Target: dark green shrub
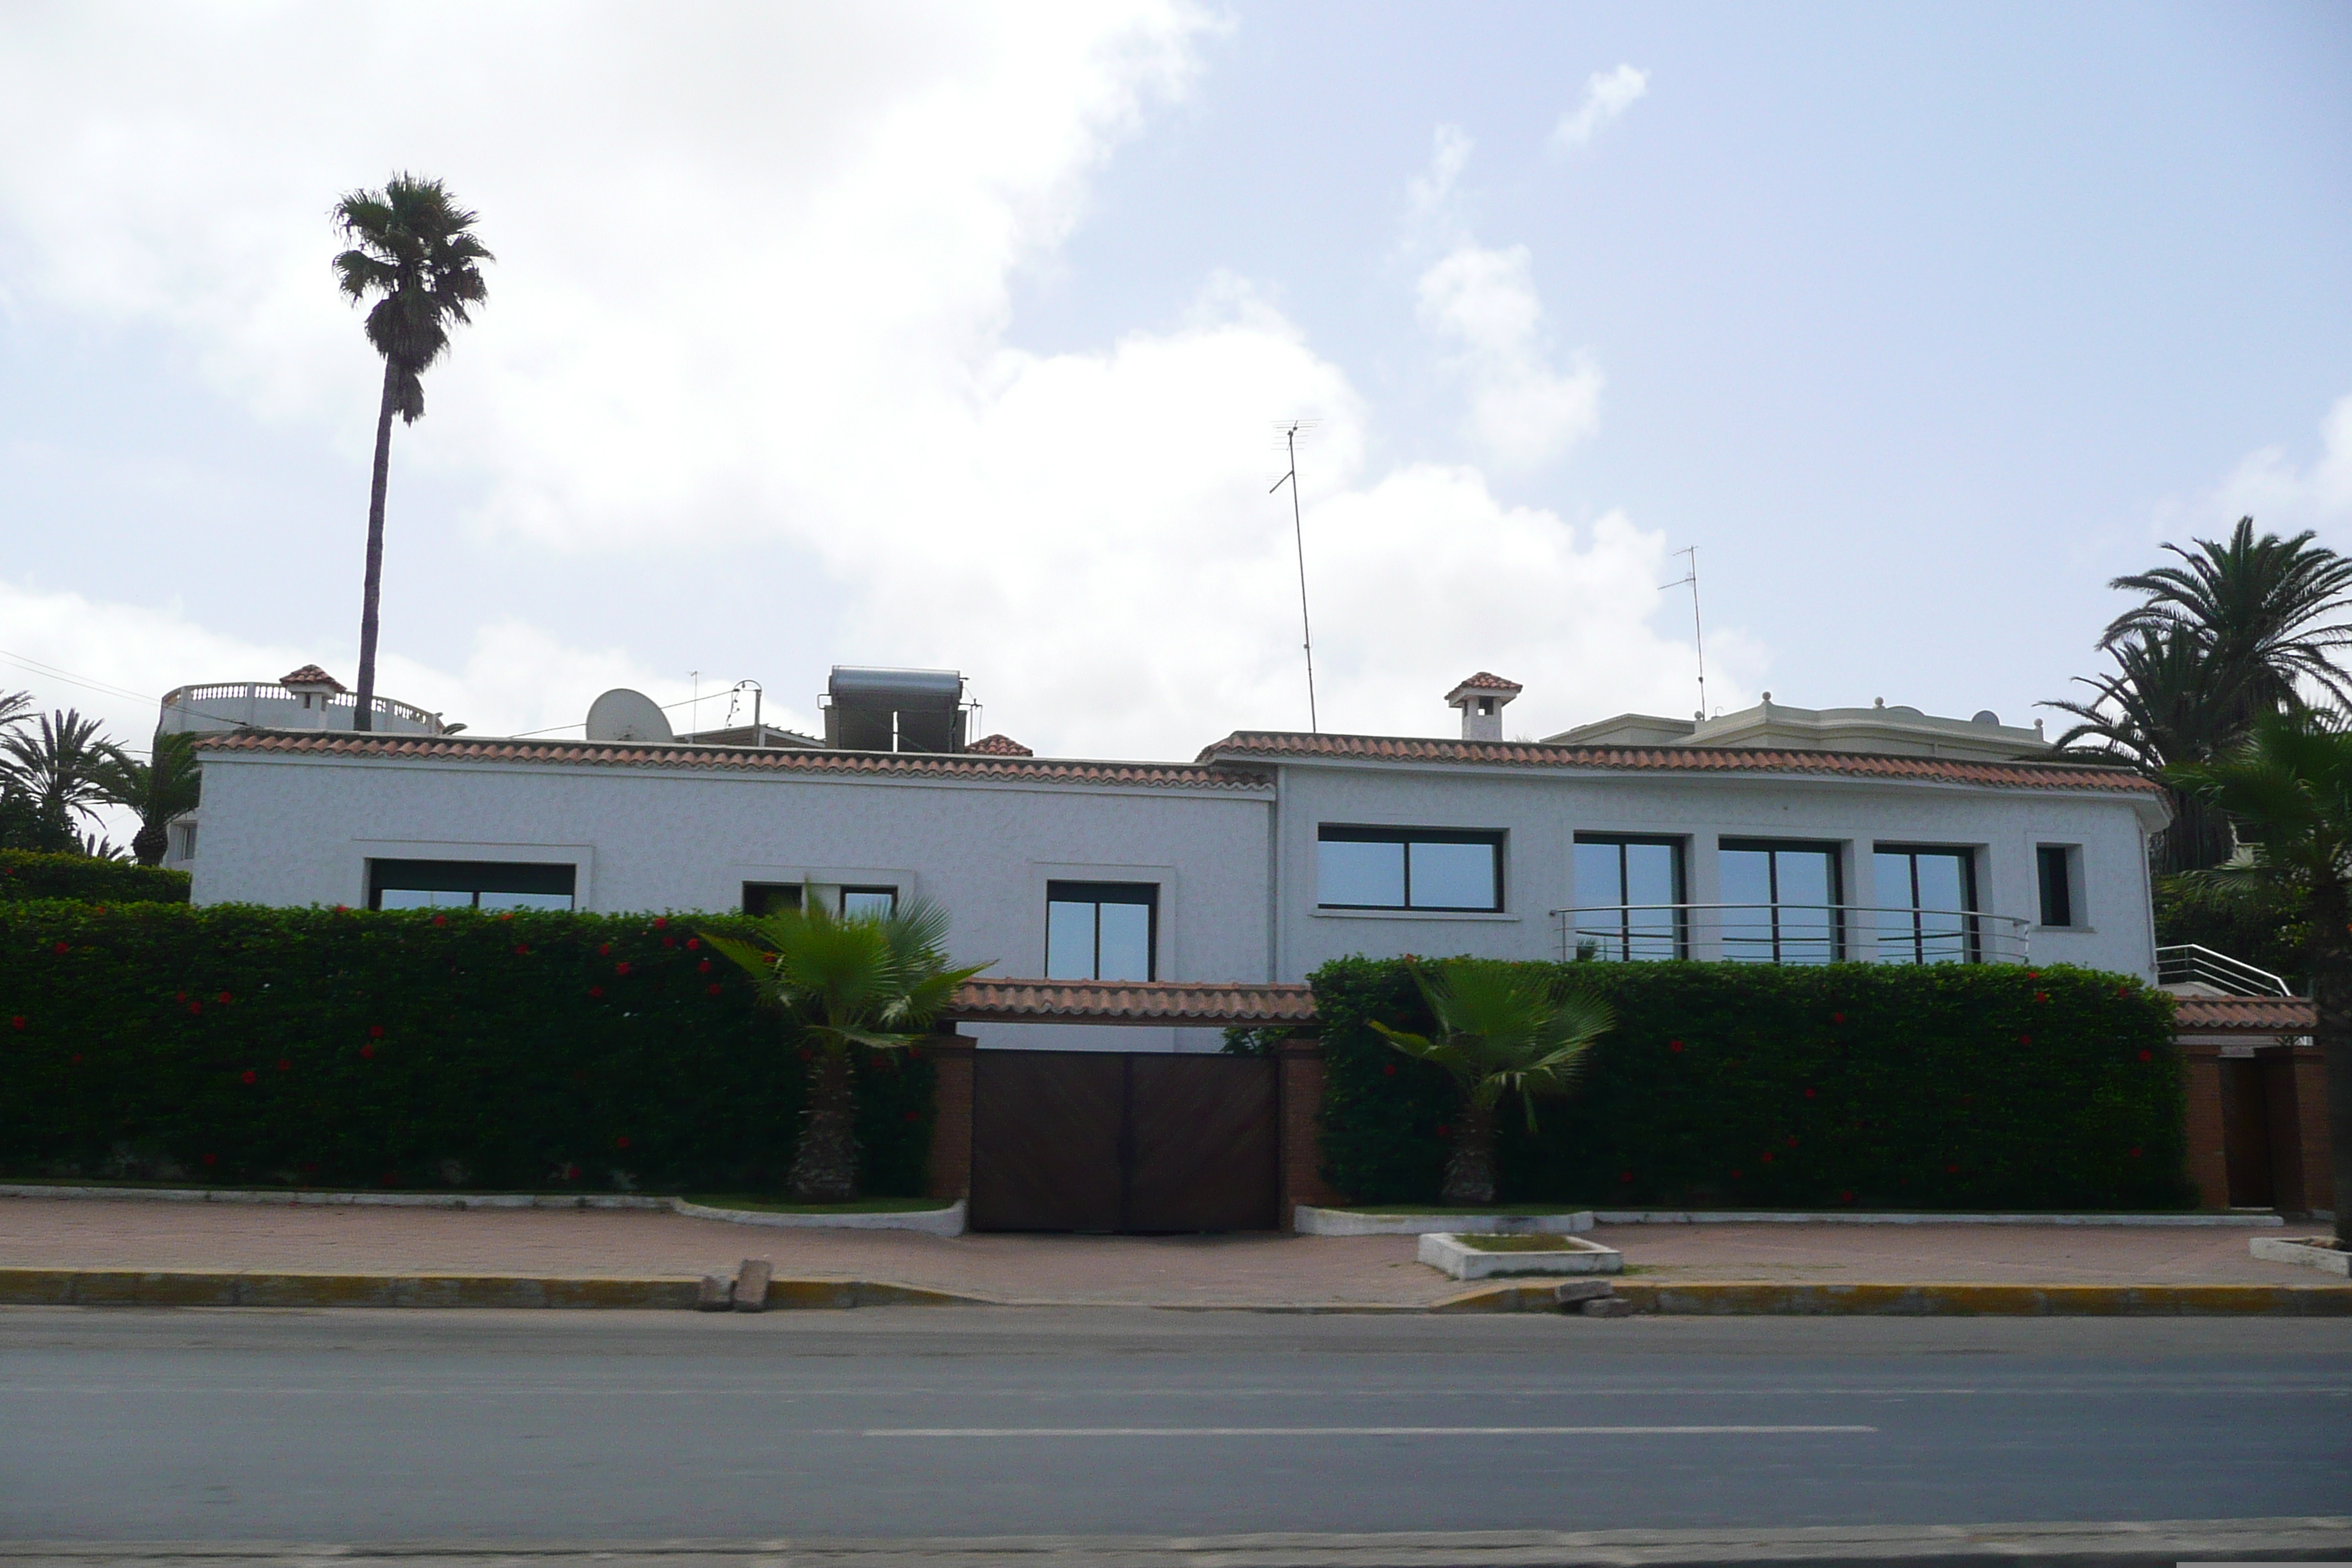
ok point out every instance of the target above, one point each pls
(24, 874)
(319, 1047)
(1948, 1087)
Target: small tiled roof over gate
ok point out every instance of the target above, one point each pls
(2244, 1016)
(1160, 1002)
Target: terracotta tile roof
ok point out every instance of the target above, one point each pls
(1247, 745)
(310, 675)
(732, 759)
(1132, 1002)
(999, 746)
(1487, 681)
(2244, 1016)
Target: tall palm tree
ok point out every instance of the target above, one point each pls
(2269, 611)
(871, 980)
(2168, 703)
(158, 790)
(414, 246)
(2289, 789)
(1499, 1032)
(60, 766)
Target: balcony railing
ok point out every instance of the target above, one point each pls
(1792, 933)
(2187, 964)
(267, 703)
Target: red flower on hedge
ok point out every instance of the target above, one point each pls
(222, 998)
(692, 943)
(375, 1031)
(1845, 1197)
(595, 991)
(2041, 995)
(2034, 975)
(285, 1065)
(1626, 1177)
(2025, 1039)
(1837, 1017)
(1443, 1131)
(1768, 1159)
(212, 1159)
(74, 1060)
(660, 924)
(704, 967)
(61, 948)
(196, 1006)
(914, 1116)
(605, 950)
(508, 916)
(367, 1051)
(1792, 1143)
(621, 1141)
(622, 967)
(440, 919)
(522, 950)
(1389, 1071)
(713, 988)
(17, 1022)
(1673, 1046)
(1809, 1094)
(1951, 1170)
(2134, 1153)
(669, 941)
(249, 1076)
(2148, 1055)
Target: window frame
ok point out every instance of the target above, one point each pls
(1092, 890)
(770, 897)
(2069, 859)
(841, 896)
(1972, 934)
(1773, 847)
(1493, 838)
(1626, 936)
(484, 875)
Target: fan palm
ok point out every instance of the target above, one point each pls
(61, 765)
(870, 980)
(2167, 704)
(158, 790)
(1499, 1032)
(414, 246)
(2289, 791)
(2269, 612)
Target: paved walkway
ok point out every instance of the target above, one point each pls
(1258, 1270)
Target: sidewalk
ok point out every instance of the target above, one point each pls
(1238, 1270)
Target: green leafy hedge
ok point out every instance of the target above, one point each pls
(1754, 1086)
(330, 1048)
(24, 874)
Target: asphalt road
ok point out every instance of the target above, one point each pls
(347, 1425)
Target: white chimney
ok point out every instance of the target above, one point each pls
(1481, 698)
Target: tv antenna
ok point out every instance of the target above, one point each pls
(1699, 639)
(1291, 430)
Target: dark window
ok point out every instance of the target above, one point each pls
(770, 897)
(463, 884)
(882, 902)
(1782, 901)
(2056, 864)
(1927, 900)
(1410, 868)
(1101, 931)
(1642, 879)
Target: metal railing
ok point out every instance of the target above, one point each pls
(1792, 933)
(2186, 963)
(253, 702)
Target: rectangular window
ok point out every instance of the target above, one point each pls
(1783, 902)
(1927, 900)
(468, 884)
(1410, 868)
(1102, 931)
(882, 902)
(770, 897)
(2055, 864)
(1642, 879)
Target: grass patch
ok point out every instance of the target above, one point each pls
(862, 1205)
(1517, 1243)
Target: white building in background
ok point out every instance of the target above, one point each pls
(1774, 834)
(308, 699)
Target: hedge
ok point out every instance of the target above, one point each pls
(24, 874)
(1945, 1087)
(330, 1048)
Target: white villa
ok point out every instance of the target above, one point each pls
(1776, 834)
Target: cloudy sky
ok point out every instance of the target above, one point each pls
(957, 336)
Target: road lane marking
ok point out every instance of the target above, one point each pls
(1351, 1431)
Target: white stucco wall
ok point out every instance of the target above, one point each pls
(1540, 813)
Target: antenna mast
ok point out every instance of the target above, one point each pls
(1290, 432)
(1698, 638)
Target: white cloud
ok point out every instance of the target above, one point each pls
(753, 286)
(1607, 95)
(2281, 498)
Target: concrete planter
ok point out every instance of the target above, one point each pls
(1352, 1222)
(1446, 1251)
(2278, 1249)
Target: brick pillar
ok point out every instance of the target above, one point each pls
(1299, 1081)
(951, 1121)
(2308, 1073)
(2208, 1166)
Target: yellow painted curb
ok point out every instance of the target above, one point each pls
(1963, 1298)
(244, 1288)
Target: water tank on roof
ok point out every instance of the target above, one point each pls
(894, 710)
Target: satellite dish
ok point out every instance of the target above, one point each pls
(622, 714)
(1986, 716)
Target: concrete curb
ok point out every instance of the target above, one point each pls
(1840, 1217)
(2155, 1544)
(1308, 1220)
(2277, 1249)
(947, 1220)
(254, 1287)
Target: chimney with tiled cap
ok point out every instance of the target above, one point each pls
(316, 687)
(1481, 698)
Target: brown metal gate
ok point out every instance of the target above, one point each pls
(1100, 1141)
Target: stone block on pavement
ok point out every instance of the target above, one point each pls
(752, 1285)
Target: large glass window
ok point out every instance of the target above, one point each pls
(882, 902)
(1642, 878)
(1928, 899)
(1410, 868)
(1781, 902)
(468, 884)
(1101, 931)
(770, 897)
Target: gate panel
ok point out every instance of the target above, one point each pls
(1203, 1136)
(1046, 1140)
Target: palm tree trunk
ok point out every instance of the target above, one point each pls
(1470, 1172)
(2331, 995)
(825, 1170)
(148, 843)
(363, 717)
